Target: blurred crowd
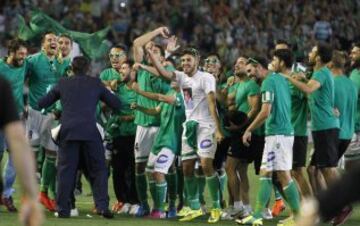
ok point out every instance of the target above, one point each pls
(223, 26)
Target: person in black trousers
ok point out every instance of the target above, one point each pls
(79, 96)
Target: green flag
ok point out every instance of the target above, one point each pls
(92, 45)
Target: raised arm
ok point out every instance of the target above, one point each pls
(308, 88)
(51, 97)
(141, 41)
(153, 96)
(109, 99)
(168, 75)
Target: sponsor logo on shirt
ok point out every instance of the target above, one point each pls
(205, 143)
(162, 159)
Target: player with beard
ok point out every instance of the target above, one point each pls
(202, 130)
(147, 126)
(13, 69)
(277, 157)
(325, 123)
(111, 77)
(352, 155)
(122, 129)
(45, 70)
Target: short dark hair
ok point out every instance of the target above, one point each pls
(80, 65)
(15, 44)
(284, 55)
(283, 42)
(162, 51)
(120, 46)
(338, 59)
(66, 36)
(262, 61)
(46, 33)
(324, 51)
(356, 44)
(191, 51)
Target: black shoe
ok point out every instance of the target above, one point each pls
(107, 214)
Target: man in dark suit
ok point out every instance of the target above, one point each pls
(79, 135)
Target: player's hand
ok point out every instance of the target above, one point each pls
(113, 85)
(136, 66)
(230, 81)
(172, 46)
(163, 31)
(31, 213)
(133, 106)
(149, 46)
(246, 139)
(336, 112)
(300, 76)
(219, 136)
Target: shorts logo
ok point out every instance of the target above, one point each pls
(162, 159)
(271, 156)
(136, 146)
(278, 145)
(205, 143)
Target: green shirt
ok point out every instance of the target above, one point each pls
(321, 101)
(276, 91)
(15, 76)
(110, 74)
(345, 101)
(244, 90)
(126, 96)
(149, 83)
(355, 77)
(171, 119)
(43, 74)
(299, 111)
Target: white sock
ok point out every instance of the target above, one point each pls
(238, 205)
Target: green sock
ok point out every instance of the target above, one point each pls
(171, 179)
(192, 189)
(263, 196)
(214, 185)
(152, 189)
(222, 180)
(201, 182)
(40, 158)
(160, 195)
(277, 193)
(292, 196)
(180, 186)
(141, 187)
(48, 176)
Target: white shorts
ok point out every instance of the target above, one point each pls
(144, 140)
(161, 162)
(38, 129)
(206, 143)
(353, 151)
(278, 153)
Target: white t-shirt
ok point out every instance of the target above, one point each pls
(195, 90)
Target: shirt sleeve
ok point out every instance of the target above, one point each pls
(267, 91)
(318, 77)
(179, 77)
(209, 84)
(253, 89)
(8, 112)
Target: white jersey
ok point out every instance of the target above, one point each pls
(195, 90)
